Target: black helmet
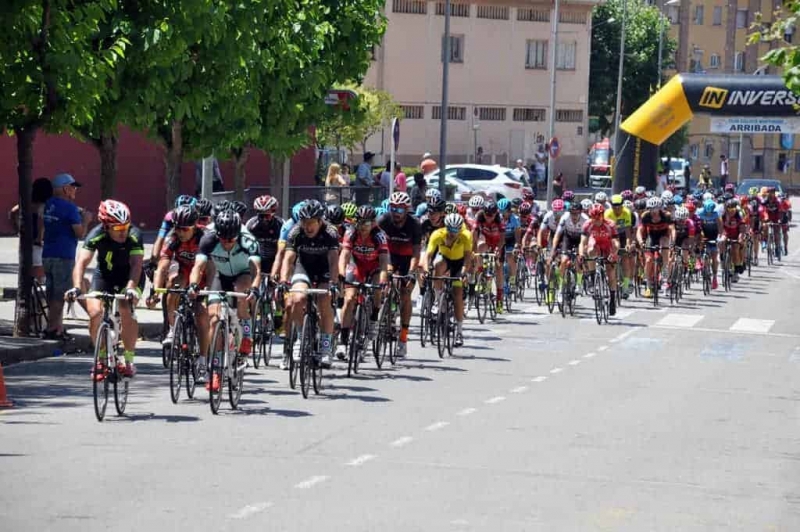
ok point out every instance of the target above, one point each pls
(334, 215)
(312, 209)
(203, 207)
(490, 207)
(640, 204)
(731, 203)
(516, 202)
(185, 216)
(437, 205)
(239, 207)
(227, 224)
(365, 213)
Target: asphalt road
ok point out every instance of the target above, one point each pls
(680, 418)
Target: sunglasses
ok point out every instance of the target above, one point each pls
(119, 227)
(453, 230)
(398, 210)
(184, 229)
(227, 240)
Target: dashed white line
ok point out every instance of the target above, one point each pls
(313, 481)
(574, 362)
(556, 370)
(519, 389)
(495, 400)
(364, 458)
(250, 509)
(590, 355)
(619, 338)
(467, 411)
(399, 442)
(604, 347)
(436, 426)
(540, 378)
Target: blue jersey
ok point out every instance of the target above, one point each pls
(285, 228)
(512, 224)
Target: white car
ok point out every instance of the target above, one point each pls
(462, 190)
(497, 181)
(675, 171)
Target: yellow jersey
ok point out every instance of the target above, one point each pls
(455, 251)
(623, 221)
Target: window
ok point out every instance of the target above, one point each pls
(569, 115)
(708, 150)
(453, 113)
(456, 10)
(741, 18)
(713, 61)
(699, 11)
(693, 152)
(672, 13)
(717, 16)
(536, 54)
(572, 17)
(758, 163)
(696, 62)
(738, 62)
(497, 114)
(475, 174)
(530, 14)
(414, 7)
(493, 12)
(413, 112)
(528, 114)
(733, 150)
(456, 48)
(565, 55)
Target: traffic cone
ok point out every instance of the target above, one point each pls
(4, 401)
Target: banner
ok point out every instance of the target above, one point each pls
(741, 124)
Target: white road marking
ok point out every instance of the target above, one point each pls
(364, 458)
(495, 400)
(710, 330)
(618, 338)
(519, 389)
(467, 411)
(590, 355)
(399, 442)
(251, 509)
(313, 481)
(574, 362)
(436, 426)
(556, 370)
(540, 378)
(789, 274)
(623, 313)
(604, 347)
(752, 325)
(680, 320)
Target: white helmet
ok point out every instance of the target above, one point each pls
(476, 202)
(667, 195)
(400, 198)
(628, 204)
(586, 204)
(708, 196)
(654, 203)
(433, 193)
(600, 197)
(639, 190)
(453, 221)
(681, 214)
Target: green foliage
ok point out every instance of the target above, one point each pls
(640, 73)
(673, 146)
(784, 56)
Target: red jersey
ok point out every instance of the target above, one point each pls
(731, 224)
(366, 251)
(493, 231)
(771, 210)
(602, 233)
(182, 252)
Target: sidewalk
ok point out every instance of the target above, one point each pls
(14, 350)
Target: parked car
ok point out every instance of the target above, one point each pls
(598, 164)
(497, 181)
(675, 171)
(460, 190)
(746, 184)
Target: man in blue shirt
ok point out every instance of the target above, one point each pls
(64, 224)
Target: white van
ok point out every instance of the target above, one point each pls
(675, 171)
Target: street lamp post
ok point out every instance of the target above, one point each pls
(551, 129)
(620, 67)
(445, 87)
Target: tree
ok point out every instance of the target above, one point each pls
(785, 56)
(673, 146)
(640, 73)
(55, 71)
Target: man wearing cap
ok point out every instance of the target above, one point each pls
(64, 224)
(364, 179)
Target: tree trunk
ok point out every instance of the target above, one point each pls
(276, 164)
(24, 171)
(240, 177)
(174, 161)
(107, 146)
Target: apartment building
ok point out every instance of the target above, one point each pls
(499, 88)
(713, 38)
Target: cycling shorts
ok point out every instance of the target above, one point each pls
(310, 276)
(225, 283)
(401, 264)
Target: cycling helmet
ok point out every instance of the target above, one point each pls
(568, 195)
(586, 204)
(461, 209)
(628, 204)
(667, 197)
(349, 209)
(730, 187)
(639, 191)
(385, 204)
(526, 208)
(422, 209)
(400, 199)
(185, 199)
(203, 207)
(528, 195)
(239, 207)
(575, 206)
(616, 200)
(654, 203)
(265, 204)
(753, 191)
(558, 205)
(334, 215)
(312, 209)
(113, 212)
(450, 208)
(380, 211)
(596, 212)
(681, 214)
(184, 216)
(432, 193)
(296, 210)
(516, 202)
(640, 204)
(677, 200)
(504, 205)
(691, 207)
(709, 206)
(727, 196)
(476, 202)
(437, 205)
(223, 205)
(366, 213)
(227, 224)
(731, 204)
(490, 207)
(708, 196)
(627, 195)
(454, 222)
(650, 194)
(600, 197)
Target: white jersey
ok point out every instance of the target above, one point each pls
(550, 221)
(570, 228)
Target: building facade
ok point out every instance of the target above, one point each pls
(499, 86)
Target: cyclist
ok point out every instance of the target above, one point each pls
(476, 203)
(334, 215)
(711, 228)
(452, 248)
(734, 230)
(119, 271)
(568, 238)
(364, 258)
(622, 218)
(513, 236)
(204, 210)
(311, 260)
(265, 227)
(166, 225)
(600, 239)
(488, 234)
(234, 257)
(685, 231)
(656, 229)
(548, 226)
(404, 234)
(786, 217)
(771, 213)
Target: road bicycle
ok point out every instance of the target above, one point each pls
(264, 324)
(445, 320)
(726, 258)
(707, 270)
(386, 340)
(523, 276)
(359, 334)
(185, 348)
(426, 321)
(39, 307)
(484, 300)
(569, 286)
(309, 366)
(658, 266)
(676, 277)
(601, 294)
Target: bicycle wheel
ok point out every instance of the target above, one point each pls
(605, 294)
(657, 280)
(176, 361)
(538, 283)
(770, 248)
(573, 292)
(424, 316)
(598, 299)
(480, 301)
(490, 301)
(441, 325)
(190, 359)
(236, 380)
(383, 339)
(749, 255)
(40, 307)
(100, 382)
(451, 324)
(258, 332)
(551, 290)
(355, 342)
(316, 378)
(306, 354)
(268, 333)
(706, 276)
(121, 386)
(522, 281)
(165, 351)
(289, 348)
(216, 350)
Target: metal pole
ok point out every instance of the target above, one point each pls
(739, 162)
(618, 110)
(445, 87)
(660, 44)
(551, 128)
(207, 185)
(391, 161)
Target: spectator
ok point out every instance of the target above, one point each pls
(662, 181)
(385, 178)
(347, 175)
(558, 185)
(687, 175)
(217, 184)
(399, 178)
(64, 224)
(522, 173)
(428, 166)
(364, 179)
(418, 192)
(41, 191)
(335, 185)
(704, 181)
(723, 171)
(539, 163)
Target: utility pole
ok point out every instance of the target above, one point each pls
(551, 129)
(445, 87)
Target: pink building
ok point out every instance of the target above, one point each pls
(499, 79)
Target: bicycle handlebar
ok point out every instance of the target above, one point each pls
(221, 293)
(310, 291)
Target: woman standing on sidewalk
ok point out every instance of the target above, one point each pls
(335, 186)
